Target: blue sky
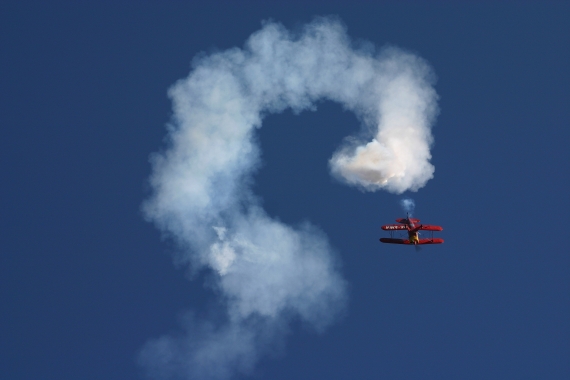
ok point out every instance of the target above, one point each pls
(86, 282)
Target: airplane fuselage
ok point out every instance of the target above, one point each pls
(412, 232)
(413, 237)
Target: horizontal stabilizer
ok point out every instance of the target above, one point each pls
(406, 221)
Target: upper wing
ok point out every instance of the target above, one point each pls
(390, 227)
(427, 227)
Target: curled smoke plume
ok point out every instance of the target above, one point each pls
(265, 272)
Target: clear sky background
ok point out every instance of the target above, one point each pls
(85, 281)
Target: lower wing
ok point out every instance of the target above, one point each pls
(431, 241)
(407, 242)
(394, 241)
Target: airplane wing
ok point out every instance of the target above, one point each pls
(392, 227)
(427, 227)
(431, 241)
(407, 242)
(394, 241)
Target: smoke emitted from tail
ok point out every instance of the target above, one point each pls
(408, 205)
(265, 272)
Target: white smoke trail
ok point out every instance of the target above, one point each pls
(264, 271)
(408, 205)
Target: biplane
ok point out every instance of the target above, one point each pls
(413, 227)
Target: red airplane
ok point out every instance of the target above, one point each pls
(409, 224)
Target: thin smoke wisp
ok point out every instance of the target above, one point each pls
(408, 205)
(264, 272)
